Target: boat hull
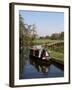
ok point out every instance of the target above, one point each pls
(40, 60)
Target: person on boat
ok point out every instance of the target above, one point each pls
(46, 49)
(43, 54)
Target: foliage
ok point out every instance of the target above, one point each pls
(25, 34)
(25, 41)
(54, 36)
(57, 55)
(44, 41)
(58, 49)
(58, 36)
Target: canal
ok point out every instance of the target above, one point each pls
(33, 68)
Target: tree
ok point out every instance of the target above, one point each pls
(62, 35)
(47, 37)
(57, 36)
(33, 32)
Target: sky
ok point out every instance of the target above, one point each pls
(46, 22)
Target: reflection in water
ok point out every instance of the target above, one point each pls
(35, 68)
(39, 65)
(23, 59)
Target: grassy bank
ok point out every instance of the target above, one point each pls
(57, 55)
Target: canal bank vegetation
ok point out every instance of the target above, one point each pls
(57, 52)
(39, 41)
(57, 55)
(27, 34)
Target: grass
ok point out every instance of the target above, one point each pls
(57, 55)
(59, 49)
(44, 41)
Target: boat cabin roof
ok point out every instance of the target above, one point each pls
(38, 47)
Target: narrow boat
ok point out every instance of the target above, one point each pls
(40, 54)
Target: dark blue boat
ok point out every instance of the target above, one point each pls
(40, 55)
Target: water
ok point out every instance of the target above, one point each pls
(35, 69)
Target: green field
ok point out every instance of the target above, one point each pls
(44, 41)
(57, 55)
